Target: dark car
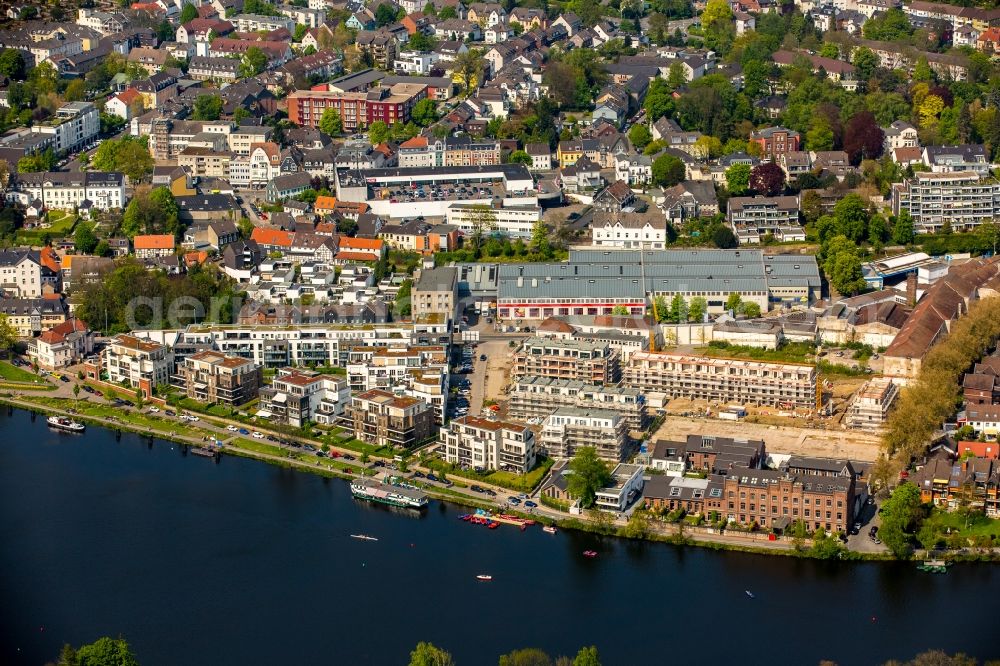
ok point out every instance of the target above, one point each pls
(348, 456)
(418, 475)
(491, 493)
(476, 489)
(379, 463)
(64, 379)
(482, 357)
(530, 504)
(431, 477)
(244, 431)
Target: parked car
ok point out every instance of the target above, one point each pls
(154, 409)
(431, 477)
(513, 501)
(243, 431)
(258, 435)
(530, 504)
(232, 428)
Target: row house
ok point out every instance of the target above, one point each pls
(972, 482)
(30, 317)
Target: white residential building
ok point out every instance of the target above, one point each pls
(568, 429)
(297, 396)
(74, 125)
(256, 22)
(631, 231)
(415, 63)
(625, 487)
(485, 444)
(515, 221)
(65, 190)
(141, 364)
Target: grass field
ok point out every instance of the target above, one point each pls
(62, 224)
(12, 373)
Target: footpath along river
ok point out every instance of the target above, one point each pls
(242, 562)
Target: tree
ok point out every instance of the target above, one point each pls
(820, 134)
(738, 178)
(447, 12)
(637, 526)
(403, 304)
(900, 515)
(676, 76)
(659, 100)
(106, 652)
(863, 138)
(76, 90)
(330, 123)
(421, 42)
(843, 266)
(424, 112)
(767, 178)
(188, 13)
(588, 656)
(640, 136)
(42, 161)
(865, 62)
(526, 657)
(724, 238)
(697, 308)
(427, 654)
(84, 239)
(733, 302)
(253, 62)
(678, 311)
(468, 69)
(378, 133)
(751, 309)
(851, 215)
(384, 15)
(668, 170)
(520, 157)
(12, 64)
(590, 474)
(8, 334)
(128, 155)
(620, 311)
(207, 107)
(151, 212)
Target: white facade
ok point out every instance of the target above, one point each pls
(133, 361)
(616, 234)
(75, 124)
(480, 443)
(415, 62)
(515, 221)
(624, 489)
(67, 190)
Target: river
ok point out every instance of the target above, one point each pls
(242, 562)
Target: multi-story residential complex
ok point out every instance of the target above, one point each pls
(755, 217)
(421, 151)
(568, 429)
(771, 498)
(257, 23)
(74, 125)
(956, 159)
(537, 397)
(513, 221)
(435, 291)
(725, 380)
(593, 282)
(209, 376)
(708, 454)
(297, 341)
(22, 273)
(776, 141)
(964, 199)
(138, 363)
(870, 407)
(105, 190)
(298, 396)
(419, 371)
(203, 68)
(357, 109)
(383, 419)
(591, 362)
(473, 442)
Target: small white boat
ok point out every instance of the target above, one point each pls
(749, 593)
(484, 577)
(364, 537)
(63, 423)
(548, 529)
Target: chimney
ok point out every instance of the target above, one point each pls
(911, 288)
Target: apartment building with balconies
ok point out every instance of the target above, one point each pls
(477, 443)
(962, 199)
(212, 377)
(568, 429)
(534, 398)
(383, 419)
(298, 396)
(724, 380)
(591, 362)
(870, 407)
(141, 364)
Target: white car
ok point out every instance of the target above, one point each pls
(154, 409)
(232, 428)
(258, 435)
(192, 418)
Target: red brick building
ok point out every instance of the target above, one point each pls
(357, 109)
(776, 141)
(767, 496)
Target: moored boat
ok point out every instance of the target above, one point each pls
(549, 529)
(364, 537)
(590, 553)
(484, 577)
(202, 451)
(382, 493)
(63, 423)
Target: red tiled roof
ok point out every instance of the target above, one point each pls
(275, 237)
(153, 242)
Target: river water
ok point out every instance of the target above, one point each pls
(245, 563)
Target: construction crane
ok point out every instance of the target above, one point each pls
(656, 314)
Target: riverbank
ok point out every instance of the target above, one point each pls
(259, 450)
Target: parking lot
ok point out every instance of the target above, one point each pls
(441, 192)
